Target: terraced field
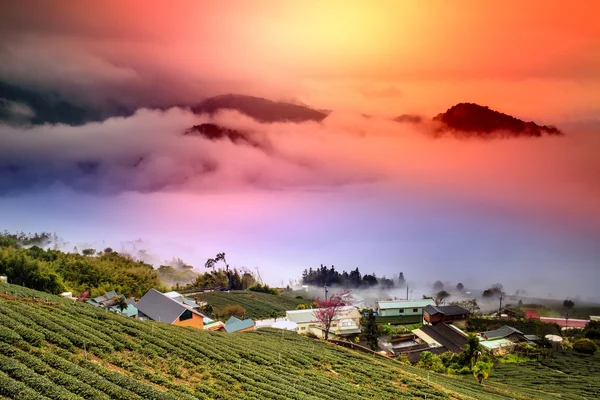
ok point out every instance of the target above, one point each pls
(51, 348)
(258, 305)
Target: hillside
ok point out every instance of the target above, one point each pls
(24, 261)
(469, 119)
(52, 348)
(260, 109)
(258, 305)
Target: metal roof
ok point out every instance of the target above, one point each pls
(384, 305)
(446, 310)
(501, 332)
(159, 307)
(234, 324)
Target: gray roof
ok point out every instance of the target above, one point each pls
(501, 332)
(446, 310)
(234, 324)
(159, 307)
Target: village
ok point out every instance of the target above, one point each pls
(406, 328)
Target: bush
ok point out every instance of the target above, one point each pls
(593, 334)
(431, 362)
(234, 310)
(585, 346)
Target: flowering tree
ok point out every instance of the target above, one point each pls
(328, 309)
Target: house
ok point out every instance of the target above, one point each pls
(234, 324)
(401, 311)
(104, 301)
(178, 297)
(131, 311)
(446, 314)
(566, 323)
(531, 314)
(67, 295)
(442, 335)
(346, 322)
(156, 306)
(4, 278)
(503, 337)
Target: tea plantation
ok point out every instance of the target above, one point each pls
(51, 348)
(258, 305)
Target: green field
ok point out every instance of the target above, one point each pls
(573, 376)
(258, 305)
(51, 348)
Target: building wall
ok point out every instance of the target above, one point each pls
(393, 312)
(195, 322)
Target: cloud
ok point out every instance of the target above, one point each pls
(148, 152)
(14, 111)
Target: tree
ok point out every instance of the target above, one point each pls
(401, 280)
(568, 304)
(211, 262)
(441, 296)
(481, 371)
(470, 305)
(520, 303)
(438, 285)
(328, 309)
(471, 350)
(372, 330)
(460, 287)
(585, 346)
(432, 362)
(274, 315)
(88, 252)
(495, 290)
(120, 303)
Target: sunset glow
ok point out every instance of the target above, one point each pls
(355, 189)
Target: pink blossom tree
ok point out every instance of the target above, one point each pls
(328, 309)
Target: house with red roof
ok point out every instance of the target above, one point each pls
(531, 314)
(566, 323)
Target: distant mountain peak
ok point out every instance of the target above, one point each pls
(260, 109)
(470, 119)
(216, 132)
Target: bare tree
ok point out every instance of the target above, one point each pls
(327, 310)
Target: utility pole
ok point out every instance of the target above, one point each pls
(406, 292)
(326, 291)
(500, 307)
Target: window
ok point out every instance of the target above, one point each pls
(187, 314)
(415, 310)
(401, 310)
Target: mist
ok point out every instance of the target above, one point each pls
(350, 191)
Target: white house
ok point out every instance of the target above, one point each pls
(346, 322)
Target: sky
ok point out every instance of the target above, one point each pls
(349, 191)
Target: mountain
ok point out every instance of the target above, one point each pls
(260, 109)
(408, 119)
(216, 132)
(469, 119)
(20, 105)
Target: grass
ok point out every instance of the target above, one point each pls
(258, 305)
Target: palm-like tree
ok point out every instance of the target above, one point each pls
(211, 262)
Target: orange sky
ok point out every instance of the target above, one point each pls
(537, 59)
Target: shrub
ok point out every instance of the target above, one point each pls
(234, 310)
(585, 346)
(431, 362)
